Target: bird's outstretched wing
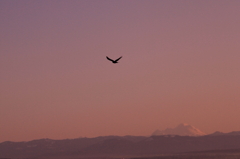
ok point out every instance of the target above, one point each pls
(109, 59)
(118, 59)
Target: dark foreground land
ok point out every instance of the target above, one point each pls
(217, 154)
(165, 156)
(223, 146)
(212, 154)
(194, 156)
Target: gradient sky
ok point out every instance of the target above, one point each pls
(181, 64)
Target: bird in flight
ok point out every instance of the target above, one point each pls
(114, 61)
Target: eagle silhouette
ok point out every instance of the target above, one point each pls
(114, 61)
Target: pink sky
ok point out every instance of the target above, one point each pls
(181, 64)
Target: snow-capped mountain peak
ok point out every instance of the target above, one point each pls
(182, 130)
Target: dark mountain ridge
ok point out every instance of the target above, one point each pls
(119, 146)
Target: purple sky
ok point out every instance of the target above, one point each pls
(181, 64)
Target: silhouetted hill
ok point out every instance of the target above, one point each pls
(221, 133)
(119, 146)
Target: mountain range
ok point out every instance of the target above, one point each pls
(119, 146)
